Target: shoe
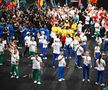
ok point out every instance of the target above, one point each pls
(65, 57)
(102, 84)
(80, 67)
(12, 76)
(45, 58)
(63, 79)
(53, 66)
(83, 80)
(35, 81)
(96, 83)
(88, 80)
(95, 68)
(1, 64)
(70, 57)
(60, 80)
(17, 77)
(38, 83)
(41, 54)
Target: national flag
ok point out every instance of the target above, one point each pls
(40, 3)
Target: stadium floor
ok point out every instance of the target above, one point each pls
(73, 75)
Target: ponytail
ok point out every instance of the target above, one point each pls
(100, 56)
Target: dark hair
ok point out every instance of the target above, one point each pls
(100, 56)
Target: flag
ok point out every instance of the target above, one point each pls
(0, 1)
(40, 3)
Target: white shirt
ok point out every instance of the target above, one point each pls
(83, 39)
(1, 47)
(99, 40)
(97, 49)
(33, 46)
(100, 67)
(87, 19)
(72, 44)
(27, 40)
(56, 48)
(75, 42)
(45, 43)
(86, 60)
(41, 38)
(80, 27)
(53, 35)
(68, 40)
(62, 62)
(97, 27)
(14, 57)
(36, 62)
(79, 50)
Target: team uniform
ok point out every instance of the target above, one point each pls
(27, 42)
(96, 54)
(97, 29)
(44, 48)
(86, 67)
(84, 42)
(79, 51)
(105, 47)
(32, 47)
(36, 68)
(68, 51)
(41, 39)
(61, 65)
(1, 52)
(100, 71)
(56, 51)
(14, 63)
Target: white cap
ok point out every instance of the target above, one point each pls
(28, 33)
(42, 32)
(14, 16)
(80, 21)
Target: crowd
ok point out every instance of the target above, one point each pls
(64, 29)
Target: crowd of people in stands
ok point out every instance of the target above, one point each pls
(64, 29)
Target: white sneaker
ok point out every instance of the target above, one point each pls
(38, 83)
(35, 81)
(70, 57)
(53, 66)
(80, 67)
(63, 79)
(12, 76)
(60, 80)
(65, 57)
(41, 54)
(83, 80)
(1, 64)
(88, 80)
(96, 83)
(17, 77)
(95, 68)
(45, 58)
(102, 84)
